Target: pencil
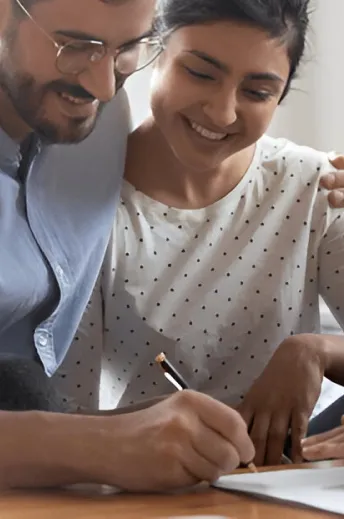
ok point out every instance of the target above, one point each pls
(176, 379)
(170, 372)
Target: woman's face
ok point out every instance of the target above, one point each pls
(215, 90)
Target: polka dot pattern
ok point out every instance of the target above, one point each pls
(219, 288)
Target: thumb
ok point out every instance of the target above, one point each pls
(246, 413)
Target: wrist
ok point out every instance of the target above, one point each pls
(313, 346)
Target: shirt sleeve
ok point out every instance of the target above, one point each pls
(331, 267)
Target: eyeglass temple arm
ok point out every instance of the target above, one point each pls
(36, 24)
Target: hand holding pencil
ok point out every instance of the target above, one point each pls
(242, 455)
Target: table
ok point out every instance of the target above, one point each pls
(102, 503)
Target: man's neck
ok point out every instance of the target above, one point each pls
(10, 121)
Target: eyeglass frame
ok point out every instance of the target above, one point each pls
(153, 39)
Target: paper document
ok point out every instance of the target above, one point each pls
(317, 488)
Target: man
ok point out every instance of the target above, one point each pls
(60, 62)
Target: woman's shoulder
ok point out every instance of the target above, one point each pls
(285, 157)
(292, 172)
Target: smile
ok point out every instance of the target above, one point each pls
(75, 100)
(207, 134)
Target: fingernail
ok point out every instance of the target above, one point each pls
(305, 450)
(338, 196)
(329, 179)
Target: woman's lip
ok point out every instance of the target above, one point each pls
(206, 127)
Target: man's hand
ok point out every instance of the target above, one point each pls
(283, 398)
(335, 183)
(329, 445)
(186, 438)
(180, 441)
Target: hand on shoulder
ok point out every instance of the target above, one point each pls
(334, 182)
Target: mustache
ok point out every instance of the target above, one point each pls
(72, 90)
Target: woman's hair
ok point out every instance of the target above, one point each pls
(284, 19)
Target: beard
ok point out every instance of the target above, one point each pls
(27, 101)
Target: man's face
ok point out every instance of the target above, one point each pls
(34, 94)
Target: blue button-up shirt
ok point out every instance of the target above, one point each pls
(54, 229)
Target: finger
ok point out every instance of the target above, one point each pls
(229, 424)
(214, 448)
(259, 434)
(336, 198)
(333, 180)
(246, 414)
(323, 437)
(278, 432)
(299, 426)
(324, 451)
(200, 468)
(337, 161)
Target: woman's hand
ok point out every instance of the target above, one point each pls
(324, 446)
(283, 397)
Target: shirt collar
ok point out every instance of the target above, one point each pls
(9, 154)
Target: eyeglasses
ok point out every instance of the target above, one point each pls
(75, 56)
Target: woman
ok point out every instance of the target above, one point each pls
(224, 239)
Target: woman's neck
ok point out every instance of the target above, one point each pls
(153, 169)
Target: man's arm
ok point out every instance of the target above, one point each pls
(185, 439)
(144, 404)
(39, 449)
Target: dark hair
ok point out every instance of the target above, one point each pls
(284, 19)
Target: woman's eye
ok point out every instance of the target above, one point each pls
(259, 95)
(199, 75)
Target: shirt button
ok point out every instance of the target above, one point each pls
(59, 271)
(61, 276)
(42, 340)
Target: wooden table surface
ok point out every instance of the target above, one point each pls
(102, 503)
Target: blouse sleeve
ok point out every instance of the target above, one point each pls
(331, 267)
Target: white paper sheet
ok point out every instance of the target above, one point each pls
(316, 488)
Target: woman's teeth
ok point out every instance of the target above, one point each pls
(213, 136)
